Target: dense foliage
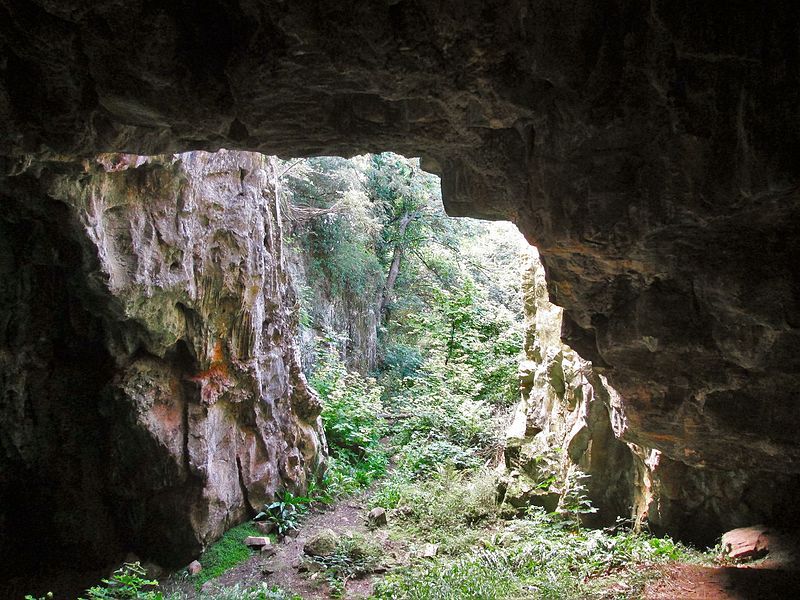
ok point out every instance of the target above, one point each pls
(448, 294)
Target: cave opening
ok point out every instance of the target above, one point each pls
(182, 332)
(55, 369)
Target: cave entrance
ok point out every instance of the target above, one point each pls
(411, 321)
(164, 404)
(54, 511)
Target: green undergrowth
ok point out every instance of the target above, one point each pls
(354, 556)
(354, 425)
(239, 592)
(225, 553)
(484, 554)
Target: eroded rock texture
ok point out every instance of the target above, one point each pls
(562, 427)
(570, 421)
(647, 148)
(152, 394)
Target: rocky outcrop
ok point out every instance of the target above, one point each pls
(570, 422)
(648, 149)
(339, 319)
(152, 394)
(563, 426)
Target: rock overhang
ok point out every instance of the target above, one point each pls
(648, 149)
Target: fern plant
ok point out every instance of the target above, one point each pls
(129, 582)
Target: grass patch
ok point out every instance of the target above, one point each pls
(226, 552)
(537, 557)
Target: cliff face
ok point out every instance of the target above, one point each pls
(648, 149)
(152, 393)
(564, 424)
(570, 421)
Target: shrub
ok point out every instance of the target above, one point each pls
(127, 582)
(351, 416)
(353, 557)
(284, 512)
(352, 406)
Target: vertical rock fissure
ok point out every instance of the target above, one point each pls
(243, 486)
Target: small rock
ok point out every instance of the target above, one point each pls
(268, 550)
(377, 517)
(194, 567)
(153, 570)
(746, 543)
(257, 542)
(292, 533)
(430, 550)
(323, 543)
(267, 570)
(265, 527)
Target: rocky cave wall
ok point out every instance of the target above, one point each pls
(332, 318)
(151, 390)
(647, 148)
(562, 425)
(570, 421)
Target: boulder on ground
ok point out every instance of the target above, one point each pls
(257, 542)
(265, 527)
(746, 543)
(377, 517)
(322, 543)
(194, 568)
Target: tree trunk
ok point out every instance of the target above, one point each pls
(394, 268)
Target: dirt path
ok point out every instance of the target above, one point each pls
(345, 517)
(775, 577)
(694, 582)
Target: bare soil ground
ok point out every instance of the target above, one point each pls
(765, 581)
(345, 517)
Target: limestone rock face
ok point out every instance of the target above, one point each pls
(562, 427)
(149, 365)
(571, 421)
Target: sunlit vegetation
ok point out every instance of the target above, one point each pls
(226, 552)
(425, 429)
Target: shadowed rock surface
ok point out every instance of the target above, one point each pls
(152, 393)
(648, 149)
(569, 422)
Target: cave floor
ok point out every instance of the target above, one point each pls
(346, 517)
(774, 577)
(697, 582)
